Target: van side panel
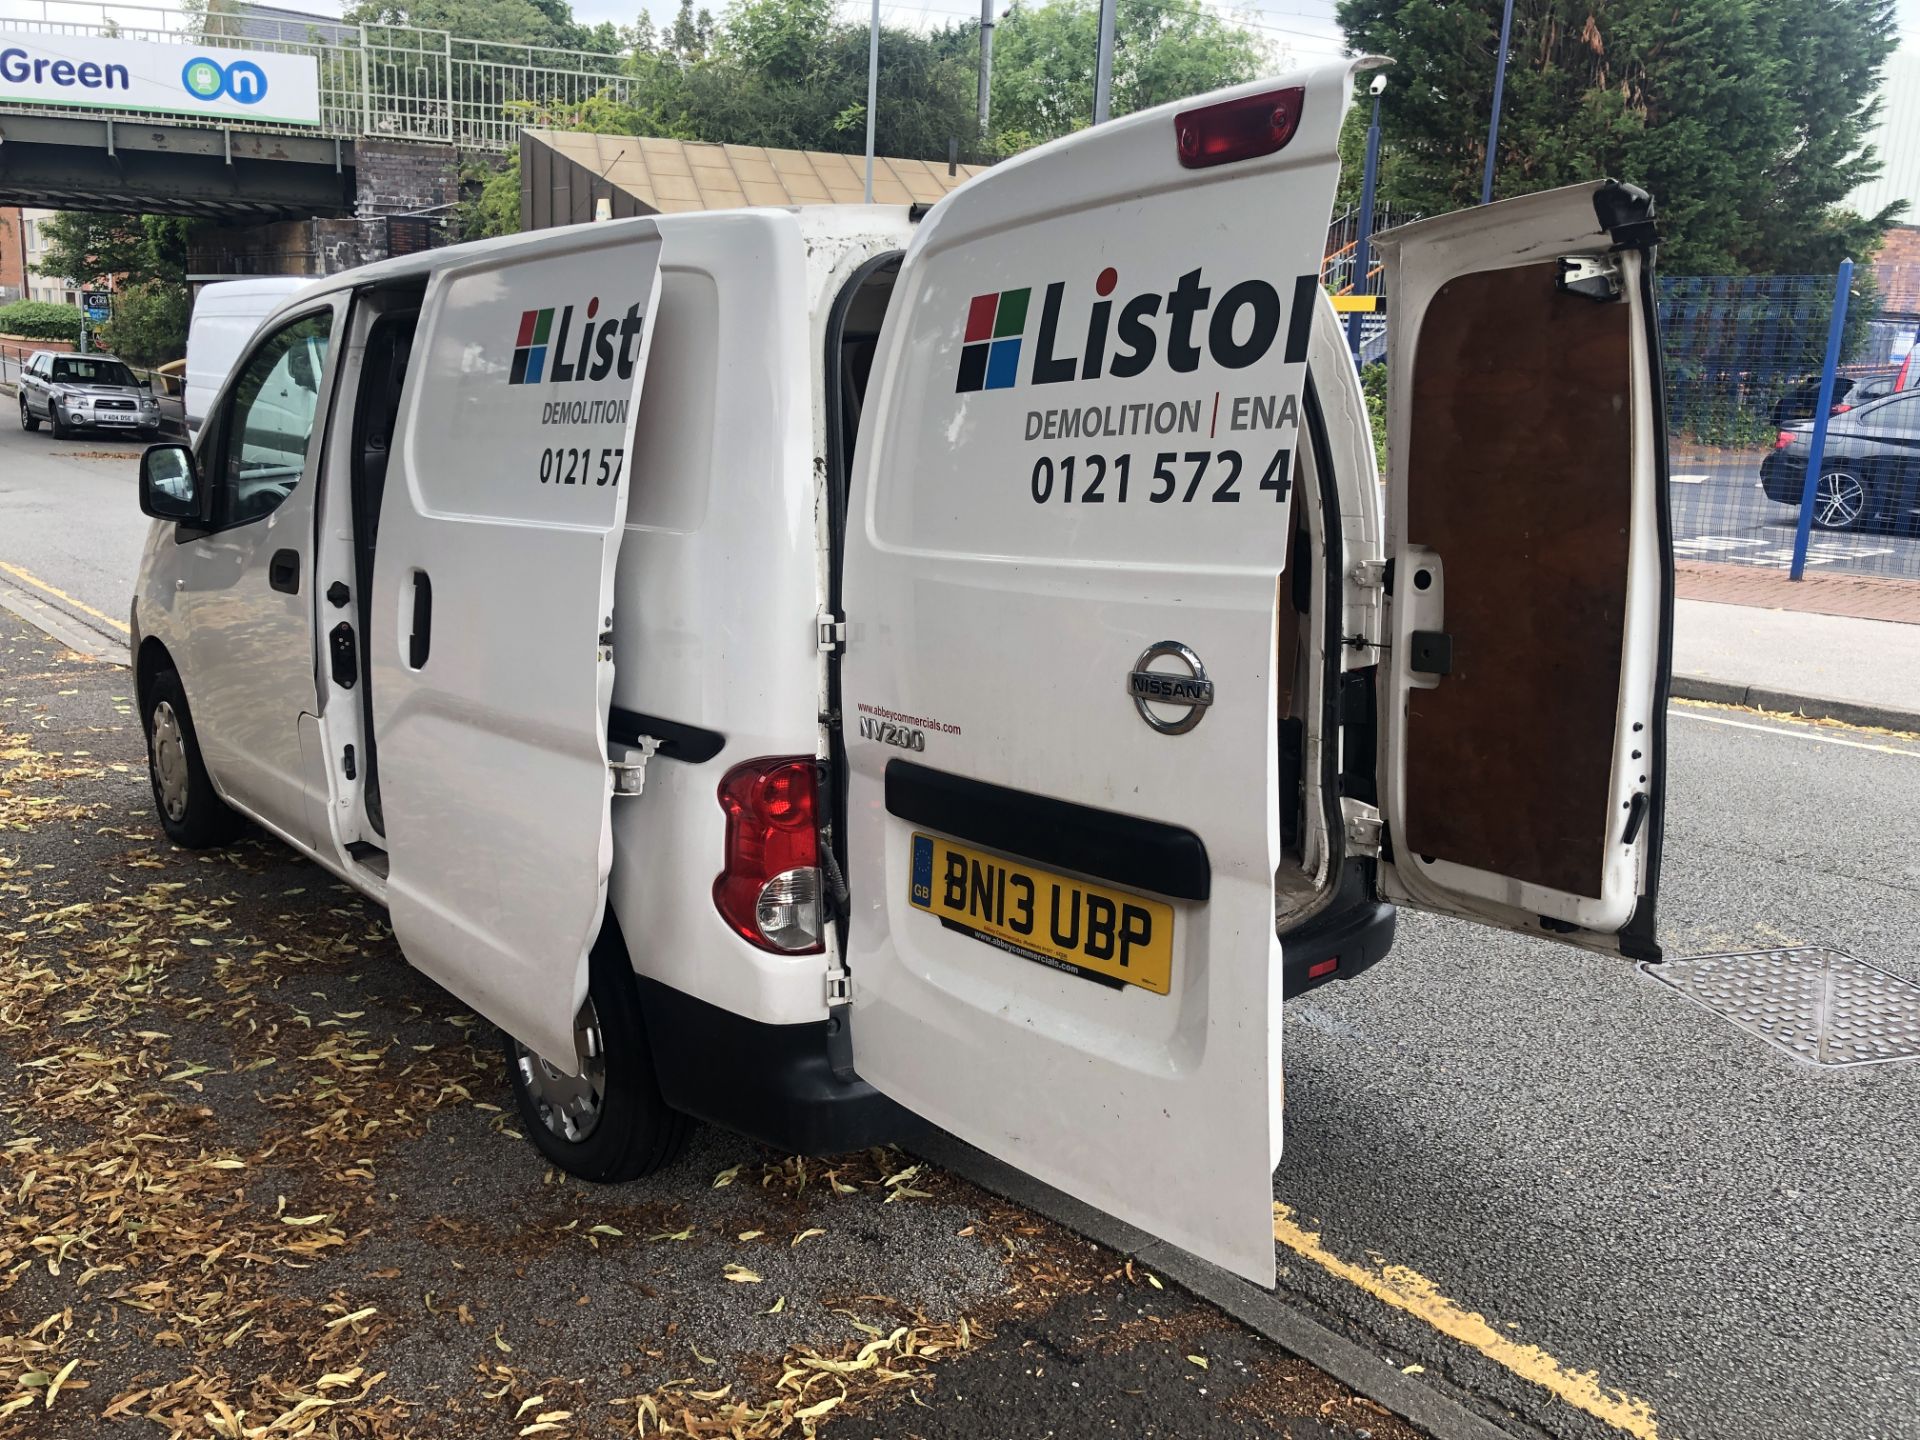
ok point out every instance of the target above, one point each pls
(715, 594)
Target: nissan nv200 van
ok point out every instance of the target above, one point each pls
(830, 669)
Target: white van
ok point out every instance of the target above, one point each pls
(225, 315)
(811, 669)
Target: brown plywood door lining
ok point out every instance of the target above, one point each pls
(1519, 464)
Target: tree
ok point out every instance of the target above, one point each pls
(507, 22)
(149, 324)
(95, 249)
(1043, 62)
(1747, 119)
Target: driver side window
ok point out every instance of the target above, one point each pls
(269, 421)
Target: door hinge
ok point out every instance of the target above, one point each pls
(629, 765)
(831, 632)
(839, 987)
(1597, 277)
(1363, 833)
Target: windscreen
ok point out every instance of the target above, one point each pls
(92, 372)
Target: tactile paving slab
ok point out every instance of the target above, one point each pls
(1821, 1006)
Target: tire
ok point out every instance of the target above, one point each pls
(610, 1124)
(1842, 500)
(193, 816)
(61, 430)
(27, 420)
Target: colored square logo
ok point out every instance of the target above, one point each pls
(990, 352)
(530, 348)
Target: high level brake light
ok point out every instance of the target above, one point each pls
(770, 889)
(1241, 129)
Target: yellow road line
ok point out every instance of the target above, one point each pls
(80, 605)
(1409, 1291)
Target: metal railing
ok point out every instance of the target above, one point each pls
(382, 81)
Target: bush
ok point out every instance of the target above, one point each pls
(149, 325)
(39, 320)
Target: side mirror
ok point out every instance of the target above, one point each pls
(170, 486)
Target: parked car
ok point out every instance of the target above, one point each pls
(756, 657)
(1870, 472)
(85, 392)
(1849, 392)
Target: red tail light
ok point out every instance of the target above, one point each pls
(770, 889)
(1242, 129)
(1840, 409)
(1783, 440)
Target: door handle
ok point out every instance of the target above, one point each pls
(283, 571)
(420, 637)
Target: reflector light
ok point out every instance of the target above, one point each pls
(1840, 409)
(1242, 129)
(1784, 439)
(769, 890)
(1324, 967)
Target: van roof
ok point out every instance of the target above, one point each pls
(821, 224)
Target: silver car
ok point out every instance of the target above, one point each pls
(85, 392)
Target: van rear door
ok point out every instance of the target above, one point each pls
(1523, 744)
(1067, 523)
(492, 611)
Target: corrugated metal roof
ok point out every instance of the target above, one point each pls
(677, 175)
(1897, 139)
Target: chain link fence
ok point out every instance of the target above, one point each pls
(1743, 358)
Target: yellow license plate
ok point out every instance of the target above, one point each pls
(1111, 936)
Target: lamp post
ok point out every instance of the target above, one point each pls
(1499, 89)
(873, 90)
(1103, 64)
(1362, 251)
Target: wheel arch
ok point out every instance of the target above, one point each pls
(151, 658)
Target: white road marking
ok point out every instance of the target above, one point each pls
(1688, 479)
(1792, 733)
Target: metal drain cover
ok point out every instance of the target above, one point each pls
(1821, 1006)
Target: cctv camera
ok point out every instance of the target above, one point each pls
(1378, 86)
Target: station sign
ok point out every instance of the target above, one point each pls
(97, 72)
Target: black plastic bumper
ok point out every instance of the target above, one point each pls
(1352, 932)
(773, 1083)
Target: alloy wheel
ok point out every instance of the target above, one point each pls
(569, 1105)
(1839, 500)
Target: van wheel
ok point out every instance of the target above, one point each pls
(608, 1123)
(27, 420)
(190, 812)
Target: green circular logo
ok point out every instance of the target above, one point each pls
(204, 79)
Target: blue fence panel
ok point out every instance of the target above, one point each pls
(1743, 356)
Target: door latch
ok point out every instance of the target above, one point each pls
(831, 632)
(1597, 277)
(630, 768)
(839, 988)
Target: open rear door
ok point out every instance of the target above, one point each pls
(1067, 524)
(493, 603)
(1523, 747)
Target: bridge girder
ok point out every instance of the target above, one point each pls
(94, 163)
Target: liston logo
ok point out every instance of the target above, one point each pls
(1234, 328)
(207, 79)
(604, 348)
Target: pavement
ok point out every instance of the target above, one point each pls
(1835, 667)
